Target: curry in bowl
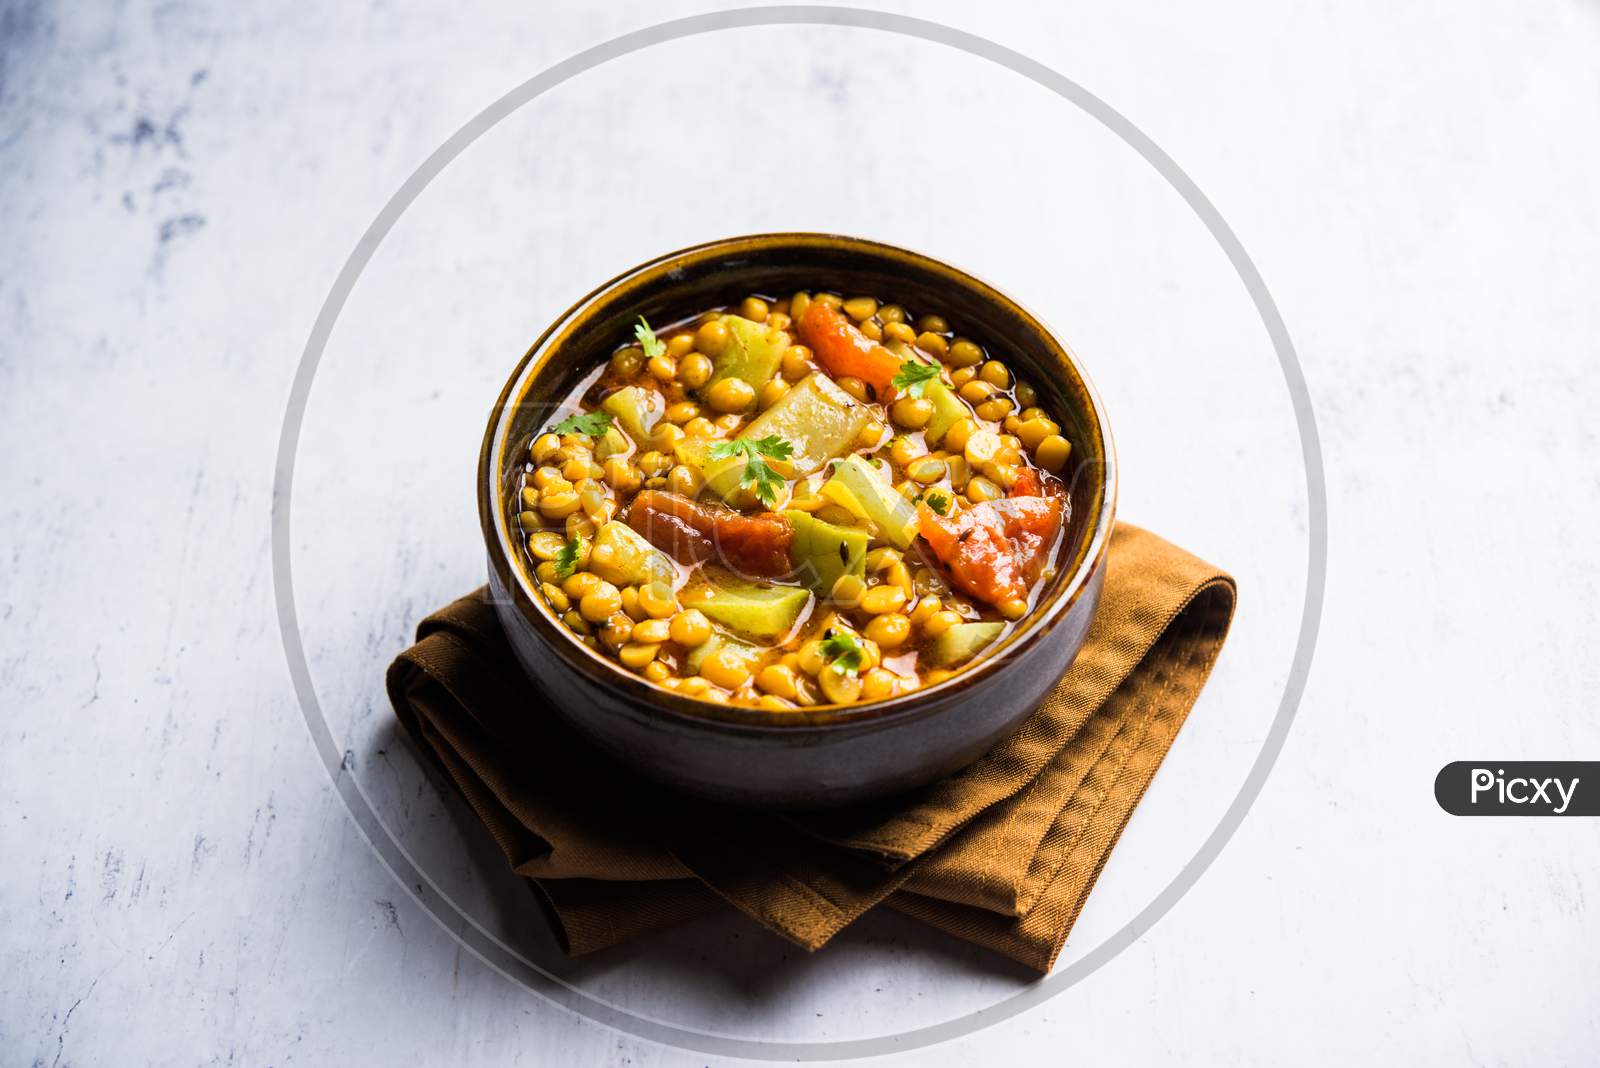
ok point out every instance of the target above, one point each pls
(807, 500)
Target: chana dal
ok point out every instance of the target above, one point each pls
(785, 503)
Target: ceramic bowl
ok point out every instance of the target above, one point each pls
(821, 756)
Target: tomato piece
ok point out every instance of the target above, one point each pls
(1035, 483)
(844, 350)
(996, 550)
(1026, 485)
(692, 533)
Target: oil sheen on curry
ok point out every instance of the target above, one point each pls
(813, 500)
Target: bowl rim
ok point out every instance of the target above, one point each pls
(514, 577)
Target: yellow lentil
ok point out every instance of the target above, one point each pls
(657, 600)
(694, 370)
(1052, 453)
(778, 680)
(637, 654)
(730, 395)
(724, 668)
(691, 628)
(889, 630)
(880, 599)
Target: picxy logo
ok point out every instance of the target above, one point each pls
(1519, 788)
(1522, 791)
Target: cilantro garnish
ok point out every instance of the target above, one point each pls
(844, 652)
(652, 345)
(592, 423)
(567, 558)
(937, 501)
(756, 453)
(913, 377)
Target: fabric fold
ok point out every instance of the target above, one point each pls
(1003, 853)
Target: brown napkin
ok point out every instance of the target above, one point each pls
(1003, 853)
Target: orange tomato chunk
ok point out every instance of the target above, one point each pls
(995, 550)
(844, 350)
(691, 532)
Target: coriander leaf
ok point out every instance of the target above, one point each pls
(937, 501)
(593, 424)
(913, 377)
(766, 481)
(567, 558)
(846, 654)
(774, 446)
(652, 345)
(724, 449)
(756, 473)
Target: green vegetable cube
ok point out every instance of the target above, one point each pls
(823, 553)
(948, 409)
(631, 560)
(959, 644)
(719, 642)
(763, 613)
(753, 353)
(865, 492)
(637, 409)
(818, 418)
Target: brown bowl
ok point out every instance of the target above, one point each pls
(834, 754)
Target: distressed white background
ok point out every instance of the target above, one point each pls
(178, 188)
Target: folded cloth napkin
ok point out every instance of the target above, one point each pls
(1002, 853)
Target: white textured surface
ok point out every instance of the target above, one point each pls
(178, 189)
